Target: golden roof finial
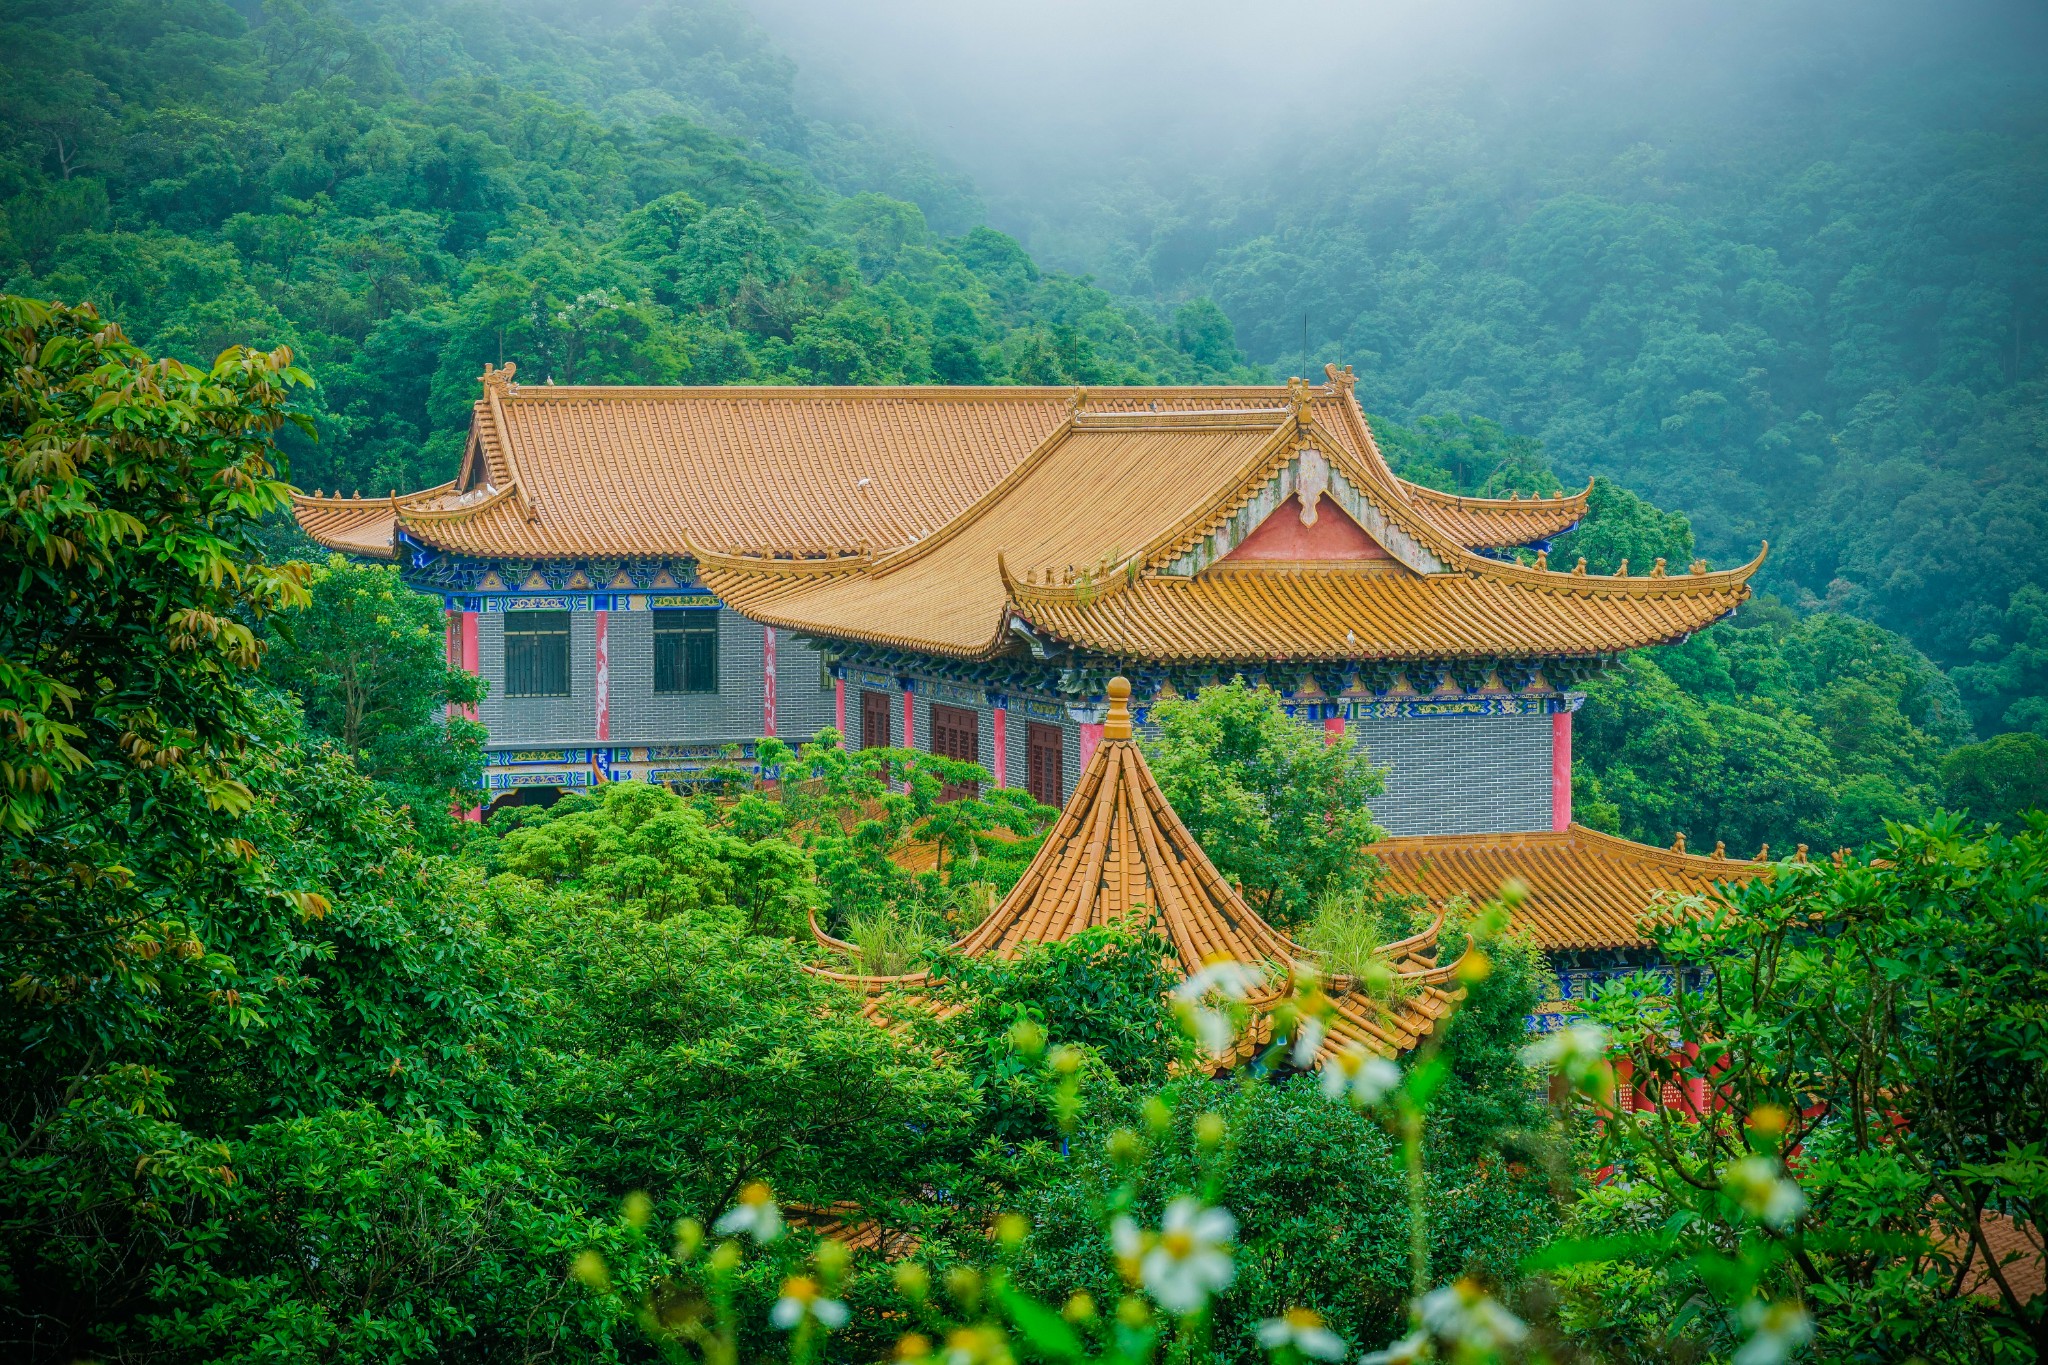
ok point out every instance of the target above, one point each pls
(1763, 855)
(1622, 570)
(1720, 848)
(498, 378)
(1699, 566)
(1117, 725)
(1344, 379)
(1800, 856)
(1678, 842)
(1580, 567)
(1657, 569)
(1298, 394)
(1543, 560)
(1079, 399)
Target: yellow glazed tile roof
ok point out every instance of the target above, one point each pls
(1278, 612)
(1587, 890)
(1117, 853)
(560, 472)
(945, 521)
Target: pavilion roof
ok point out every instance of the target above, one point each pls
(1586, 890)
(617, 472)
(1119, 854)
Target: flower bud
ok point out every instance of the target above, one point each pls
(1027, 1038)
(590, 1268)
(913, 1281)
(963, 1282)
(689, 1236)
(832, 1258)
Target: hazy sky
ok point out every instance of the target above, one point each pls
(1018, 89)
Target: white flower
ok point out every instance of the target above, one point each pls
(1406, 1351)
(1212, 1028)
(1764, 1191)
(1776, 1332)
(801, 1298)
(1127, 1242)
(1308, 1041)
(1466, 1315)
(1190, 1258)
(1232, 980)
(755, 1215)
(1571, 1050)
(1366, 1078)
(1304, 1331)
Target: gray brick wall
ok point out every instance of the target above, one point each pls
(639, 715)
(521, 722)
(1460, 774)
(803, 691)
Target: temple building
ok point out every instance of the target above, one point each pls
(646, 577)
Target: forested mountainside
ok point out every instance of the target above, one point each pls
(404, 192)
(1817, 317)
(627, 194)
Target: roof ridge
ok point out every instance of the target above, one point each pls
(1561, 500)
(587, 392)
(1653, 584)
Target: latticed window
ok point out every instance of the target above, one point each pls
(537, 654)
(1044, 763)
(874, 719)
(956, 733)
(686, 651)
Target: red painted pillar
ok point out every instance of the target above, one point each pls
(472, 662)
(1333, 730)
(909, 727)
(768, 680)
(1091, 735)
(839, 710)
(451, 651)
(1561, 770)
(604, 678)
(999, 718)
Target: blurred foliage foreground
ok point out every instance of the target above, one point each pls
(302, 1069)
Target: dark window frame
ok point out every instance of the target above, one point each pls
(1045, 752)
(956, 733)
(876, 706)
(537, 654)
(686, 651)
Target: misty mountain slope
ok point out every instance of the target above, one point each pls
(391, 191)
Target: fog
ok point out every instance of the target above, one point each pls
(1039, 98)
